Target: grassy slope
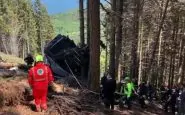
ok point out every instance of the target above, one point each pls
(11, 58)
(67, 24)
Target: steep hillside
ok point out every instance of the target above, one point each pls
(67, 24)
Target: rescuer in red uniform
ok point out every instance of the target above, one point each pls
(40, 76)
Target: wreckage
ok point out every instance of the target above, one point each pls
(66, 59)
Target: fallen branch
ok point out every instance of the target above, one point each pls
(11, 73)
(58, 106)
(6, 65)
(92, 92)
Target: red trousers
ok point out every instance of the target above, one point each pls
(40, 96)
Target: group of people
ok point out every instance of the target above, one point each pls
(173, 98)
(39, 77)
(108, 88)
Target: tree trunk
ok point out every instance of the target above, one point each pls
(160, 34)
(106, 50)
(156, 43)
(183, 72)
(4, 44)
(14, 45)
(94, 8)
(88, 28)
(81, 14)
(170, 70)
(162, 66)
(180, 63)
(140, 54)
(134, 60)
(112, 42)
(118, 36)
(176, 31)
(82, 40)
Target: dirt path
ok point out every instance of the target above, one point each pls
(25, 110)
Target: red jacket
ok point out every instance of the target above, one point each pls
(40, 76)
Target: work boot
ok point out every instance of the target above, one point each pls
(38, 109)
(44, 107)
(43, 110)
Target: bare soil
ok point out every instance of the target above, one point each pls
(13, 101)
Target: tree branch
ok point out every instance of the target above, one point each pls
(108, 2)
(108, 11)
(103, 7)
(158, 4)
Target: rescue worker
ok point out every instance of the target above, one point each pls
(29, 60)
(40, 76)
(128, 90)
(162, 93)
(142, 94)
(109, 87)
(171, 100)
(103, 80)
(134, 92)
(150, 92)
(182, 101)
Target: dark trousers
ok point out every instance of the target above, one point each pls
(172, 105)
(142, 101)
(128, 102)
(109, 102)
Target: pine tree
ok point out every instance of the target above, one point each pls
(81, 14)
(44, 27)
(94, 44)
(112, 41)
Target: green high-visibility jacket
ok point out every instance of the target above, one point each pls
(133, 86)
(128, 89)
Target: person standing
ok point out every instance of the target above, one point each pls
(182, 101)
(39, 77)
(142, 94)
(29, 60)
(103, 81)
(128, 90)
(109, 87)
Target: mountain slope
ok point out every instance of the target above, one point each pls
(67, 24)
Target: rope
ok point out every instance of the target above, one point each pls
(73, 75)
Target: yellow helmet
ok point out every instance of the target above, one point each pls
(39, 58)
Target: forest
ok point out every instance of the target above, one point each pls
(144, 38)
(139, 42)
(25, 27)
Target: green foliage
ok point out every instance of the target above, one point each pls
(67, 24)
(44, 26)
(26, 23)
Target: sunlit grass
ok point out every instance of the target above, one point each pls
(11, 58)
